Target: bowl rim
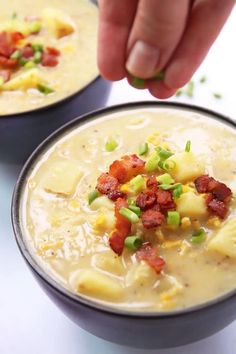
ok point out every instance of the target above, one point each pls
(31, 260)
(42, 109)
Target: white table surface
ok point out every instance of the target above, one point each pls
(29, 322)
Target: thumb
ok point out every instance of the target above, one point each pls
(156, 32)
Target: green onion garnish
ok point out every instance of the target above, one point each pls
(169, 186)
(143, 149)
(165, 179)
(138, 83)
(29, 65)
(37, 47)
(198, 236)
(188, 146)
(14, 15)
(137, 183)
(173, 218)
(179, 93)
(164, 154)
(190, 88)
(168, 165)
(177, 191)
(129, 214)
(46, 90)
(131, 201)
(23, 61)
(92, 196)
(159, 76)
(133, 242)
(111, 145)
(135, 209)
(35, 27)
(203, 79)
(152, 164)
(16, 54)
(217, 95)
(37, 57)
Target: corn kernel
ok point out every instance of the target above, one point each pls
(74, 204)
(185, 222)
(196, 224)
(171, 244)
(125, 188)
(154, 139)
(214, 221)
(100, 222)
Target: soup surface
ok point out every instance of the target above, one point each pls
(135, 209)
(47, 51)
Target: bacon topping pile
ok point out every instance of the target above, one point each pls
(219, 195)
(148, 253)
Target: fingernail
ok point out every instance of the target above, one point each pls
(143, 60)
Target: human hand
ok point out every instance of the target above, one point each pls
(144, 37)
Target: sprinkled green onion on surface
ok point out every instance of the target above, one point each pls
(173, 218)
(138, 83)
(37, 47)
(37, 57)
(16, 55)
(217, 95)
(179, 93)
(163, 153)
(152, 163)
(23, 61)
(92, 196)
(14, 15)
(166, 187)
(129, 214)
(165, 179)
(159, 76)
(143, 149)
(137, 183)
(133, 242)
(135, 209)
(46, 90)
(111, 145)
(190, 89)
(203, 79)
(168, 165)
(198, 236)
(131, 201)
(35, 27)
(177, 191)
(188, 146)
(29, 65)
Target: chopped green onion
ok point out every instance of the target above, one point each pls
(14, 15)
(46, 90)
(1, 81)
(173, 218)
(159, 76)
(135, 209)
(29, 65)
(165, 179)
(23, 61)
(188, 146)
(177, 191)
(143, 149)
(137, 183)
(35, 27)
(37, 47)
(190, 88)
(169, 186)
(152, 164)
(37, 57)
(16, 54)
(129, 214)
(92, 196)
(131, 201)
(133, 242)
(198, 236)
(138, 83)
(203, 79)
(217, 95)
(111, 145)
(169, 165)
(179, 93)
(164, 154)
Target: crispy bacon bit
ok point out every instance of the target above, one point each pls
(217, 207)
(8, 63)
(152, 183)
(5, 74)
(146, 199)
(126, 168)
(152, 218)
(27, 51)
(114, 195)
(17, 36)
(6, 44)
(206, 184)
(49, 60)
(222, 192)
(201, 183)
(149, 254)
(123, 228)
(107, 183)
(53, 51)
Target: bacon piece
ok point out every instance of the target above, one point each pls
(221, 192)
(16, 37)
(201, 183)
(149, 254)
(152, 218)
(216, 207)
(122, 228)
(152, 183)
(8, 63)
(53, 51)
(27, 52)
(5, 74)
(146, 199)
(129, 166)
(165, 200)
(206, 184)
(107, 183)
(114, 195)
(49, 60)
(6, 44)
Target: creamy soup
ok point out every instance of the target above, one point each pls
(47, 51)
(136, 209)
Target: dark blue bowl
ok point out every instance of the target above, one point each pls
(136, 329)
(21, 133)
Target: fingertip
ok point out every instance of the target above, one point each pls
(160, 90)
(177, 75)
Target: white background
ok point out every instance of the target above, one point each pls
(29, 321)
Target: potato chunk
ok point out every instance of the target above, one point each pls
(191, 205)
(141, 274)
(109, 262)
(62, 178)
(102, 203)
(58, 22)
(93, 283)
(24, 81)
(187, 167)
(225, 240)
